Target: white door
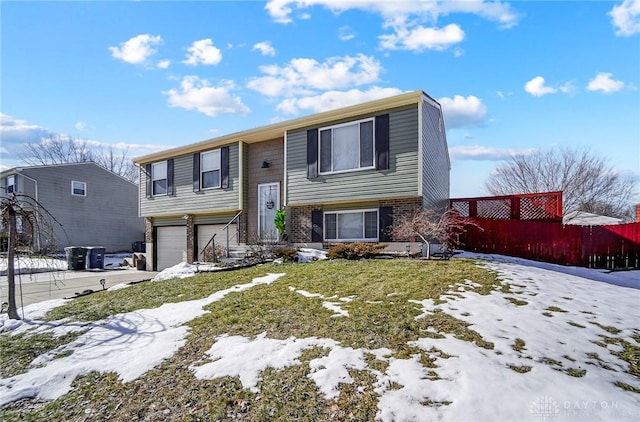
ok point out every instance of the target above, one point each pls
(268, 204)
(172, 246)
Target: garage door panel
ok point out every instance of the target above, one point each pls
(172, 245)
(206, 232)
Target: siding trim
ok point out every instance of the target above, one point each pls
(284, 176)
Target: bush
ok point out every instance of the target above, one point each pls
(287, 254)
(358, 250)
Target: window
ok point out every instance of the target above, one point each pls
(78, 188)
(347, 147)
(351, 225)
(11, 184)
(210, 169)
(159, 178)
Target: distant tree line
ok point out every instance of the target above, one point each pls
(59, 149)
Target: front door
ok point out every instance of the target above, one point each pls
(268, 204)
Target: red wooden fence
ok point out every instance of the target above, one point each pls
(611, 246)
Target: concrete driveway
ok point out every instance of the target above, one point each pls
(34, 288)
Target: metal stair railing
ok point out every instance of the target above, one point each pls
(226, 229)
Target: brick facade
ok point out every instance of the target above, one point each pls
(299, 218)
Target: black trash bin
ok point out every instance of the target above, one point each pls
(139, 246)
(76, 257)
(95, 257)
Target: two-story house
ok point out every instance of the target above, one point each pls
(342, 175)
(83, 204)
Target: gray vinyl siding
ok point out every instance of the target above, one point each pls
(185, 200)
(400, 180)
(107, 216)
(435, 159)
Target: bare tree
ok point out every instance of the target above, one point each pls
(56, 149)
(430, 225)
(59, 149)
(587, 181)
(36, 225)
(117, 161)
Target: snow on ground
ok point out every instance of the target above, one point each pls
(562, 320)
(309, 254)
(24, 264)
(129, 344)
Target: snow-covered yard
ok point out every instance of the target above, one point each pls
(554, 356)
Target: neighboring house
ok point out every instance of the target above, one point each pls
(93, 206)
(581, 218)
(342, 175)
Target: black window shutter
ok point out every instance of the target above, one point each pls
(385, 216)
(147, 171)
(316, 223)
(382, 142)
(170, 188)
(224, 167)
(312, 153)
(196, 172)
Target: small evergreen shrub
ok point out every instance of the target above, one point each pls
(357, 250)
(287, 254)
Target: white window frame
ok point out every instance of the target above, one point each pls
(154, 179)
(11, 187)
(218, 169)
(358, 211)
(351, 123)
(73, 188)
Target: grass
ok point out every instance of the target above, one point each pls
(380, 315)
(517, 302)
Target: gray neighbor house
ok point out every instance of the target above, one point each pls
(93, 206)
(343, 175)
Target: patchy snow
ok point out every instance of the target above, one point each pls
(309, 254)
(128, 344)
(118, 286)
(26, 264)
(564, 316)
(184, 270)
(332, 306)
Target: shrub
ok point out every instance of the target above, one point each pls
(358, 250)
(287, 254)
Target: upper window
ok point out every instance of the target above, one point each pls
(347, 147)
(348, 226)
(78, 188)
(159, 178)
(11, 183)
(210, 169)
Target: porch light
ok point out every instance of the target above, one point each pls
(270, 204)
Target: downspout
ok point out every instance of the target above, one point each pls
(35, 184)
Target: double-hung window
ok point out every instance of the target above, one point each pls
(78, 188)
(159, 178)
(348, 146)
(343, 226)
(11, 184)
(210, 169)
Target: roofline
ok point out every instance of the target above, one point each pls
(20, 169)
(276, 130)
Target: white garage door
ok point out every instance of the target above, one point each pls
(205, 232)
(172, 244)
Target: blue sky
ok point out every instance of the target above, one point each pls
(512, 77)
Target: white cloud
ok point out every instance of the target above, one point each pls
(537, 87)
(163, 64)
(198, 94)
(420, 38)
(136, 50)
(331, 100)
(80, 125)
(626, 17)
(462, 111)
(345, 33)
(265, 48)
(15, 131)
(203, 52)
(482, 153)
(303, 76)
(399, 10)
(604, 82)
